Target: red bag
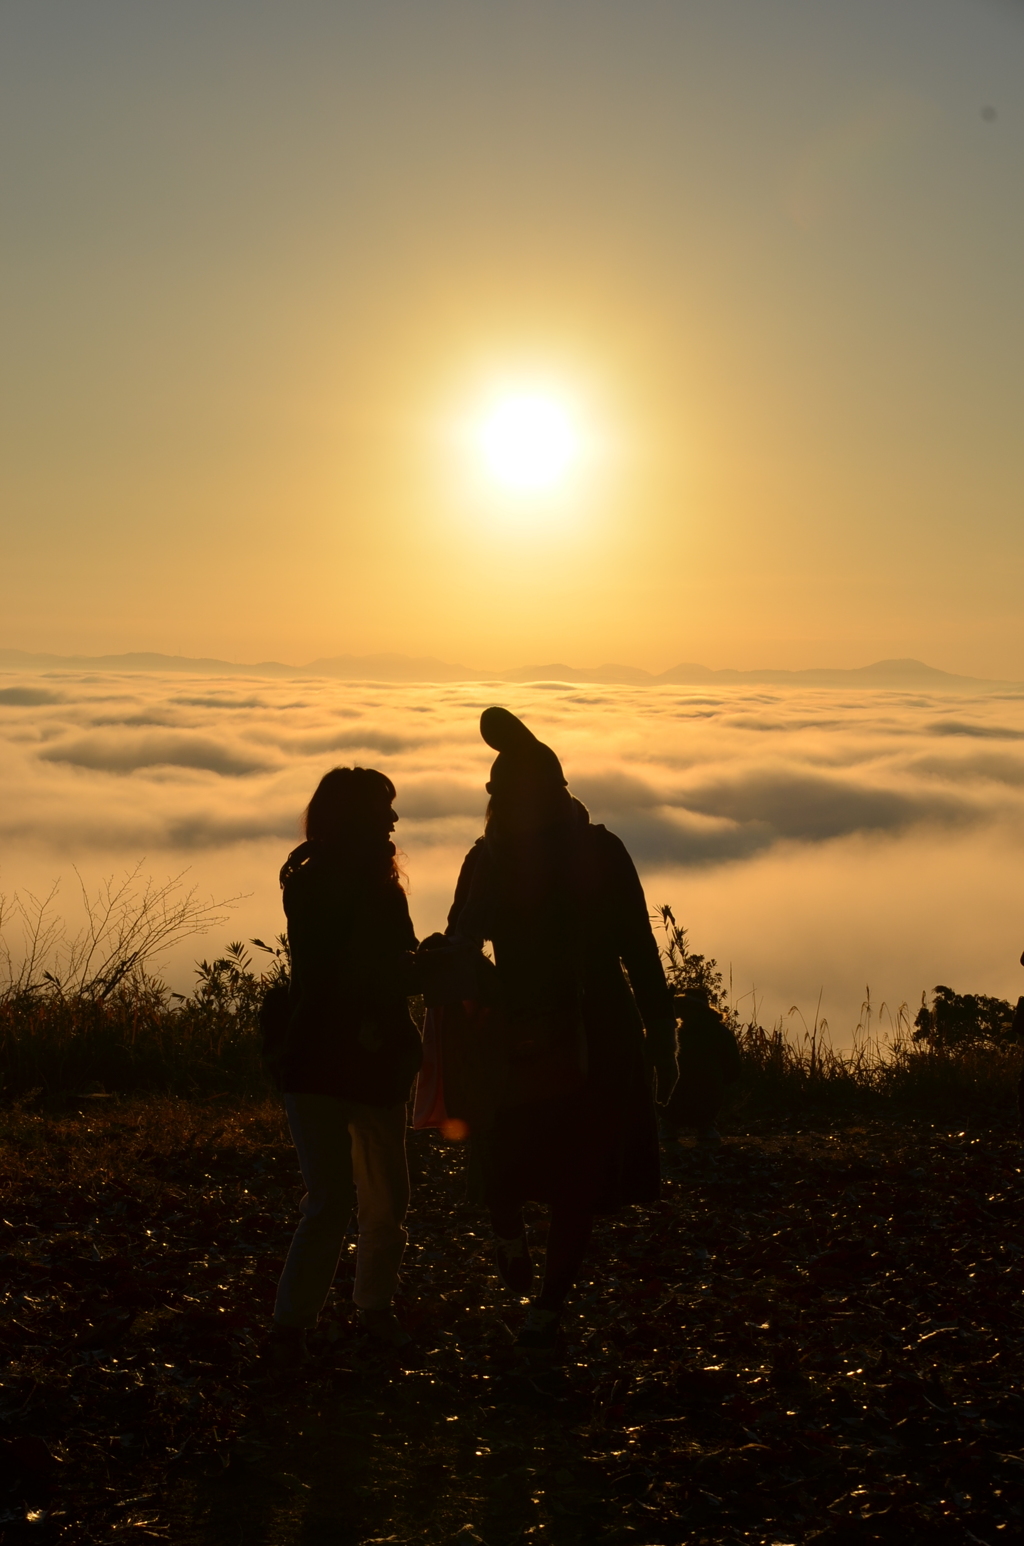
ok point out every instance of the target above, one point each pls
(463, 1070)
(477, 1057)
(428, 1106)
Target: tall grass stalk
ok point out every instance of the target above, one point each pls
(794, 1076)
(84, 1010)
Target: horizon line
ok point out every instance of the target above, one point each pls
(898, 672)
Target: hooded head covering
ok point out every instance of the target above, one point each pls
(522, 760)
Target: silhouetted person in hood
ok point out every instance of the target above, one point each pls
(575, 1125)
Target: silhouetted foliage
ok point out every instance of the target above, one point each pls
(135, 1035)
(685, 969)
(963, 1020)
(140, 1035)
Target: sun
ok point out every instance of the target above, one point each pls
(528, 441)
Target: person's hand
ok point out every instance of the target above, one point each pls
(666, 1072)
(661, 1058)
(450, 968)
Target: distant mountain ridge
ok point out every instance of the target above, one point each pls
(896, 674)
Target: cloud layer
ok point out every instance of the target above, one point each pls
(711, 790)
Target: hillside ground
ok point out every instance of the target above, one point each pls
(815, 1338)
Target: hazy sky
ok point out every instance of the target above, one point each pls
(262, 261)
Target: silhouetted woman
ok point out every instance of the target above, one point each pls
(352, 1052)
(575, 1125)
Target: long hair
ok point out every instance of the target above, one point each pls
(345, 824)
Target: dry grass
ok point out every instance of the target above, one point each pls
(783, 1075)
(124, 1032)
(139, 1039)
(142, 1040)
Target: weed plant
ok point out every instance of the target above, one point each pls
(89, 1016)
(86, 1013)
(141, 1037)
(956, 1061)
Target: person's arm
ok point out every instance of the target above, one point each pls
(639, 954)
(459, 920)
(449, 967)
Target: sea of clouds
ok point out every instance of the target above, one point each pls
(813, 840)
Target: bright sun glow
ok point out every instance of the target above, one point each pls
(529, 441)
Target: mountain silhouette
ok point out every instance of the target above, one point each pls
(906, 674)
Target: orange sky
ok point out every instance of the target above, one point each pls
(258, 258)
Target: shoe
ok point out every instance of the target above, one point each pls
(513, 1263)
(286, 1351)
(383, 1325)
(540, 1328)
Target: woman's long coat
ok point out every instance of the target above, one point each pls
(596, 1148)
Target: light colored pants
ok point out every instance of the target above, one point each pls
(341, 1142)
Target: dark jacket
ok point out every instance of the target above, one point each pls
(600, 1145)
(615, 933)
(349, 1032)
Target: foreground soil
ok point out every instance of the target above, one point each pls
(816, 1338)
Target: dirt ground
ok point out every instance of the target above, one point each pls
(816, 1338)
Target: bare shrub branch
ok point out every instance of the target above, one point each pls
(130, 923)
